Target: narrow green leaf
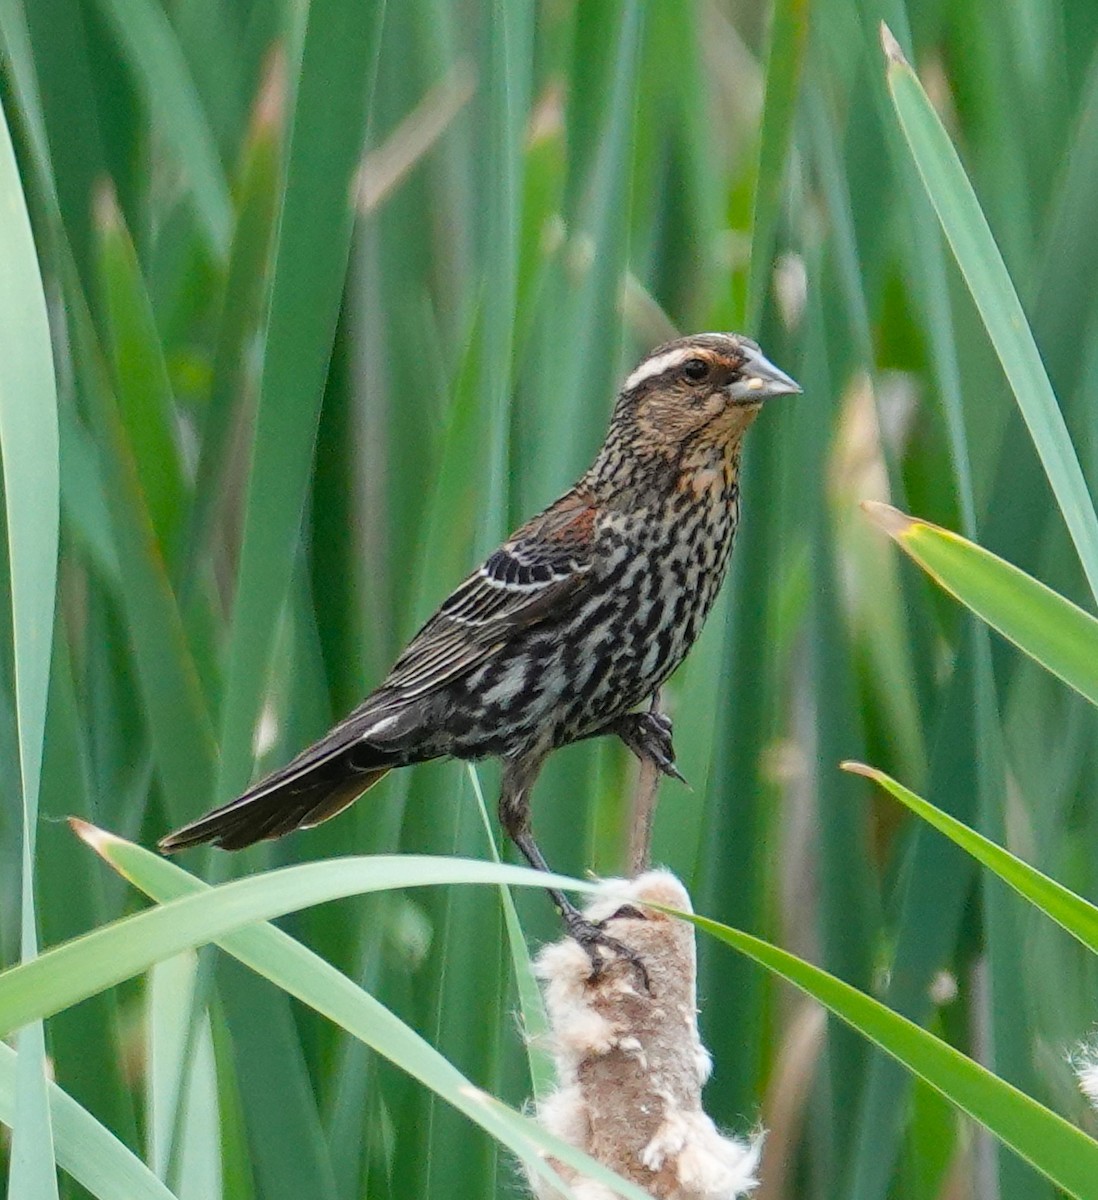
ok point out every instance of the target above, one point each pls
(982, 265)
(171, 691)
(789, 26)
(1078, 916)
(86, 1150)
(535, 1021)
(142, 390)
(303, 974)
(313, 242)
(245, 293)
(1049, 628)
(151, 50)
(32, 499)
(1043, 1138)
(188, 1114)
(78, 969)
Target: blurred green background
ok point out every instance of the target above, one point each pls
(339, 291)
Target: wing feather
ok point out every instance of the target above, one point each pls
(534, 576)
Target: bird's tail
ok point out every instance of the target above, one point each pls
(321, 782)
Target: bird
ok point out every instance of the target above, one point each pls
(575, 621)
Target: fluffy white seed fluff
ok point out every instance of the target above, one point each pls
(630, 1067)
(1085, 1063)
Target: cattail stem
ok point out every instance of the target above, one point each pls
(645, 795)
(644, 812)
(631, 1066)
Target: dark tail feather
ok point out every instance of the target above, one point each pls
(275, 806)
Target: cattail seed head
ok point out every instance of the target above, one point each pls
(631, 1066)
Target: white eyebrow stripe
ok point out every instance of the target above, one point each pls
(659, 364)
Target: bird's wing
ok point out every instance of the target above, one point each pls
(536, 574)
(533, 576)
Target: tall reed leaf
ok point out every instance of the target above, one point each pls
(1076, 915)
(982, 265)
(32, 498)
(1057, 633)
(1056, 1148)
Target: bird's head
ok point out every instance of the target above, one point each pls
(705, 388)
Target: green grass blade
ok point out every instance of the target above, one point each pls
(1058, 634)
(784, 68)
(32, 498)
(85, 1042)
(340, 46)
(245, 292)
(84, 497)
(274, 954)
(142, 389)
(188, 1114)
(535, 1022)
(982, 265)
(179, 723)
(1044, 1139)
(80, 968)
(151, 50)
(86, 1150)
(1078, 916)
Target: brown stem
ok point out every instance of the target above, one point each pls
(644, 810)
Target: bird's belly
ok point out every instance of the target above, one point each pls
(566, 679)
(630, 652)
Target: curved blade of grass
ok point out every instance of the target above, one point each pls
(241, 312)
(313, 242)
(84, 497)
(179, 723)
(1078, 916)
(784, 66)
(143, 391)
(303, 974)
(982, 265)
(86, 1149)
(77, 969)
(535, 1021)
(32, 499)
(1044, 1139)
(1061, 636)
(151, 50)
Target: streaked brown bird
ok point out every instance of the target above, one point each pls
(572, 623)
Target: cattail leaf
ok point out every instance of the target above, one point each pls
(1059, 1150)
(1078, 916)
(982, 265)
(86, 1149)
(1058, 634)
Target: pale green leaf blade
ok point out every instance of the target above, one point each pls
(32, 497)
(1078, 916)
(1058, 634)
(982, 265)
(77, 969)
(303, 974)
(1056, 1148)
(86, 1150)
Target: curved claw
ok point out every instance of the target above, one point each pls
(627, 912)
(591, 936)
(648, 735)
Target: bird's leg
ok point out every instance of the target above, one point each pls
(648, 735)
(514, 816)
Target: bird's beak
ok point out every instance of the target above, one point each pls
(759, 379)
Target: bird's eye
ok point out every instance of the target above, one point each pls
(695, 369)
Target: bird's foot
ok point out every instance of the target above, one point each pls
(594, 939)
(648, 735)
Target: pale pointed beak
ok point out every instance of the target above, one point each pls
(760, 379)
